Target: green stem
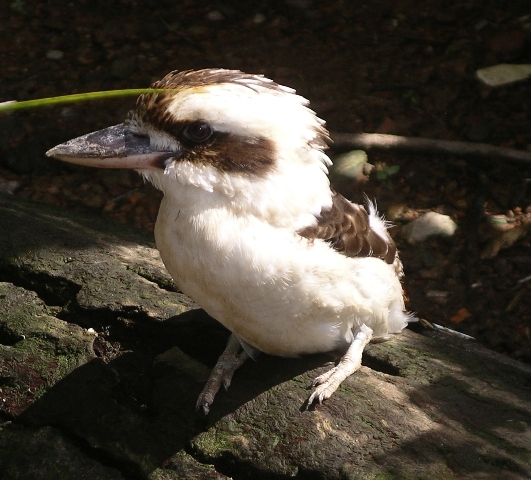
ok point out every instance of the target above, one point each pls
(76, 97)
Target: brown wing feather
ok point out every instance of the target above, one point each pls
(346, 227)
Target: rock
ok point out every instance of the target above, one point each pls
(429, 225)
(503, 74)
(101, 362)
(386, 420)
(183, 466)
(350, 165)
(18, 444)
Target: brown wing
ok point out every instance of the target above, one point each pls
(346, 227)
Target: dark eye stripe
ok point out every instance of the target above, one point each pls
(225, 151)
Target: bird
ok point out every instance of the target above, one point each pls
(249, 226)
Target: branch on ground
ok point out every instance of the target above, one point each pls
(381, 141)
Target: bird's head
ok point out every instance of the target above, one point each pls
(222, 134)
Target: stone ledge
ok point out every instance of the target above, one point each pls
(101, 363)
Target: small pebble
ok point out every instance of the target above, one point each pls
(259, 18)
(350, 164)
(10, 186)
(215, 16)
(430, 224)
(54, 55)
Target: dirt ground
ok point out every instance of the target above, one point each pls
(405, 68)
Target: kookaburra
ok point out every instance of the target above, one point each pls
(249, 227)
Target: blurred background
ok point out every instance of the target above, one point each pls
(398, 67)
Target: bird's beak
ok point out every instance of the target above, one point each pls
(112, 147)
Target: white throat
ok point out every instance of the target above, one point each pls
(290, 196)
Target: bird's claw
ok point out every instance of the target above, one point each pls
(203, 402)
(205, 408)
(226, 382)
(325, 385)
(221, 374)
(322, 378)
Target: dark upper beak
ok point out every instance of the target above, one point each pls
(112, 147)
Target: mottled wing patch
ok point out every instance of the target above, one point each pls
(347, 228)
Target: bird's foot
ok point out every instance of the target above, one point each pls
(229, 361)
(327, 383)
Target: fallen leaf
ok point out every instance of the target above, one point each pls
(461, 314)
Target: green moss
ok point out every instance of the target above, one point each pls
(211, 444)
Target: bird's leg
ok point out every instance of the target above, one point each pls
(230, 360)
(327, 383)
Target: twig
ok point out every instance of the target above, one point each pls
(428, 145)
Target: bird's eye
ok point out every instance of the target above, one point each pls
(198, 132)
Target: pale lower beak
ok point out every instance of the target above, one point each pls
(112, 147)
